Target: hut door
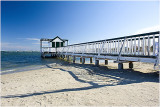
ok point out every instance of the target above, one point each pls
(57, 44)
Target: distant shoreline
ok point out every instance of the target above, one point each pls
(20, 51)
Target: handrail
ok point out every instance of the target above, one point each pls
(139, 45)
(137, 35)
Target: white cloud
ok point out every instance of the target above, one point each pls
(45, 43)
(149, 29)
(6, 46)
(36, 43)
(35, 39)
(32, 39)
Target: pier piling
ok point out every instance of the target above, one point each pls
(80, 60)
(83, 60)
(74, 59)
(63, 56)
(68, 58)
(106, 62)
(130, 65)
(91, 60)
(96, 62)
(120, 65)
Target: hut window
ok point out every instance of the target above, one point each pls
(53, 44)
(61, 44)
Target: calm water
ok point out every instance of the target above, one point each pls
(23, 61)
(18, 61)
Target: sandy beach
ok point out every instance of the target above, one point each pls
(67, 84)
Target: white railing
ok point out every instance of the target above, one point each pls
(48, 49)
(144, 45)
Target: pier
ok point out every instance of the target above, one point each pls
(128, 49)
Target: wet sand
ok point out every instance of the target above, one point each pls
(67, 84)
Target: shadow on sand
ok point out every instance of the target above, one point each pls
(123, 77)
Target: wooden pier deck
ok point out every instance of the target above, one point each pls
(135, 48)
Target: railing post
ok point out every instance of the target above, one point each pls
(132, 46)
(101, 48)
(98, 49)
(118, 47)
(148, 45)
(135, 46)
(138, 45)
(159, 51)
(120, 52)
(143, 46)
(153, 45)
(115, 49)
(126, 47)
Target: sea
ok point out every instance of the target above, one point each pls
(15, 61)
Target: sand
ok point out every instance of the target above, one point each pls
(66, 84)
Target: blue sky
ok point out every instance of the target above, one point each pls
(24, 23)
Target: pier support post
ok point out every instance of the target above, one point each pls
(43, 55)
(74, 59)
(130, 65)
(62, 56)
(96, 62)
(91, 60)
(106, 62)
(67, 58)
(83, 60)
(120, 65)
(80, 60)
